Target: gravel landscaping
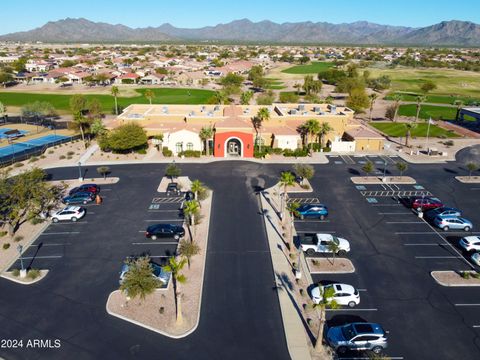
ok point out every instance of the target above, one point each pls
(453, 278)
(468, 179)
(380, 180)
(330, 266)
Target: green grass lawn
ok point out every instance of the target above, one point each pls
(429, 111)
(274, 84)
(313, 68)
(399, 130)
(162, 96)
(436, 99)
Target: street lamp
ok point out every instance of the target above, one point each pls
(384, 170)
(20, 249)
(80, 177)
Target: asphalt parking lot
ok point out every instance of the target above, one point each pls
(394, 252)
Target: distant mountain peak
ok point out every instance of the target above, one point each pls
(451, 33)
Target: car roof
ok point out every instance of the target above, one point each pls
(157, 226)
(472, 238)
(368, 328)
(71, 208)
(342, 288)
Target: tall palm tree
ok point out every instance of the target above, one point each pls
(286, 179)
(293, 210)
(114, 91)
(459, 104)
(190, 210)
(263, 114)
(326, 295)
(205, 134)
(325, 128)
(312, 128)
(149, 94)
(372, 97)
(409, 127)
(396, 102)
(420, 101)
(174, 267)
(196, 187)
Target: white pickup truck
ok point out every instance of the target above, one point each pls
(319, 243)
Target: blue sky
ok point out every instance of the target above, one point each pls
(26, 14)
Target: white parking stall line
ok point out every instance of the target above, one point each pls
(369, 358)
(434, 244)
(405, 222)
(176, 210)
(163, 220)
(476, 326)
(102, 189)
(415, 233)
(387, 205)
(323, 232)
(466, 304)
(155, 243)
(350, 309)
(395, 213)
(160, 256)
(438, 257)
(60, 233)
(312, 221)
(42, 245)
(71, 223)
(42, 257)
(475, 189)
(362, 289)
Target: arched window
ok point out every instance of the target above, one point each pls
(178, 147)
(189, 146)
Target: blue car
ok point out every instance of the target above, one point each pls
(312, 211)
(157, 272)
(79, 198)
(453, 223)
(442, 212)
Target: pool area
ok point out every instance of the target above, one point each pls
(30, 147)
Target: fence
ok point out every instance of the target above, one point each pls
(30, 151)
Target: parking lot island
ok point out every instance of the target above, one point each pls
(330, 266)
(32, 276)
(157, 312)
(383, 180)
(456, 279)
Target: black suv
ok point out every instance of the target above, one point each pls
(173, 189)
(164, 231)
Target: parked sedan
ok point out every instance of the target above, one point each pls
(476, 258)
(470, 243)
(312, 211)
(164, 231)
(79, 198)
(425, 203)
(454, 223)
(343, 294)
(157, 272)
(93, 188)
(358, 337)
(442, 212)
(70, 213)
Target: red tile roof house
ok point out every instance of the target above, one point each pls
(129, 78)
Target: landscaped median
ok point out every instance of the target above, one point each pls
(457, 278)
(468, 179)
(162, 311)
(365, 180)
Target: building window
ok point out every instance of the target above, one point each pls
(259, 141)
(189, 146)
(178, 147)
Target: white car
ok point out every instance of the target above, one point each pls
(470, 243)
(344, 294)
(70, 213)
(476, 258)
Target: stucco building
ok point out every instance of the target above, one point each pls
(233, 132)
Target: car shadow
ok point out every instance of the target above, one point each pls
(354, 171)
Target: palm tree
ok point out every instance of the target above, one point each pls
(471, 166)
(196, 187)
(312, 127)
(286, 179)
(396, 99)
(409, 127)
(190, 210)
(333, 247)
(103, 170)
(325, 128)
(188, 249)
(114, 91)
(138, 280)
(149, 94)
(297, 86)
(263, 114)
(402, 166)
(368, 168)
(174, 267)
(206, 133)
(420, 100)
(326, 295)
(293, 210)
(372, 97)
(459, 104)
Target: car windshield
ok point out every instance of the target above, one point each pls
(348, 332)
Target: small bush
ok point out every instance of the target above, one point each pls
(18, 164)
(3, 233)
(36, 220)
(167, 152)
(6, 246)
(302, 292)
(161, 310)
(70, 153)
(61, 157)
(50, 151)
(305, 186)
(16, 272)
(449, 143)
(295, 153)
(327, 149)
(42, 156)
(190, 153)
(465, 274)
(314, 261)
(69, 158)
(142, 151)
(33, 273)
(476, 275)
(18, 238)
(309, 322)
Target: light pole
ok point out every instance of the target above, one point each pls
(23, 272)
(384, 170)
(80, 177)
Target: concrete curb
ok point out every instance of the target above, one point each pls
(12, 278)
(375, 180)
(467, 180)
(195, 326)
(432, 274)
(294, 330)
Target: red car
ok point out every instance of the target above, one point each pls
(425, 203)
(91, 188)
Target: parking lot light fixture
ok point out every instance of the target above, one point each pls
(384, 170)
(80, 177)
(20, 249)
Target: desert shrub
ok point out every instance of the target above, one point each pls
(167, 152)
(142, 151)
(295, 153)
(190, 153)
(61, 157)
(51, 151)
(6, 246)
(33, 273)
(465, 274)
(42, 156)
(18, 164)
(18, 238)
(70, 153)
(36, 220)
(3, 233)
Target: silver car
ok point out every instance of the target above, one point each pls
(453, 223)
(357, 336)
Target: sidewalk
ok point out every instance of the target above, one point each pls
(295, 333)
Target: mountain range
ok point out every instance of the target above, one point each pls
(447, 33)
